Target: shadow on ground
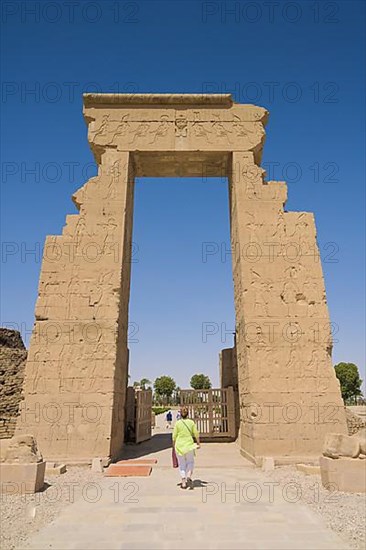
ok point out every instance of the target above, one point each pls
(196, 484)
(158, 442)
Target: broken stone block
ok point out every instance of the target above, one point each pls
(22, 467)
(20, 449)
(52, 468)
(21, 478)
(97, 465)
(344, 474)
(337, 445)
(268, 464)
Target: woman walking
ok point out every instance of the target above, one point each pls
(185, 441)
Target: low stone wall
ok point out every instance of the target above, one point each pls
(13, 356)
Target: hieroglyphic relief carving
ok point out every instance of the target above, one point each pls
(252, 132)
(80, 230)
(225, 130)
(204, 127)
(261, 290)
(38, 381)
(253, 177)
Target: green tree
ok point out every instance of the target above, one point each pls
(164, 387)
(349, 378)
(200, 382)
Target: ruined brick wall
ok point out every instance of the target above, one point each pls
(12, 362)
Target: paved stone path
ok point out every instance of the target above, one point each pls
(232, 506)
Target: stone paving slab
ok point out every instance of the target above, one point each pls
(160, 521)
(230, 508)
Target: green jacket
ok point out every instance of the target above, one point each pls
(183, 433)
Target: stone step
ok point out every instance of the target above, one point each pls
(128, 470)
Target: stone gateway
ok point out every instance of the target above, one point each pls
(77, 366)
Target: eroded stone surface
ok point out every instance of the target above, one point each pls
(22, 467)
(355, 422)
(13, 356)
(361, 438)
(21, 478)
(20, 449)
(343, 474)
(76, 373)
(341, 445)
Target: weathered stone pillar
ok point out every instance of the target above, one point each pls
(229, 377)
(76, 374)
(289, 395)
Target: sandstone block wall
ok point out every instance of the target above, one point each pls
(13, 356)
(289, 394)
(76, 373)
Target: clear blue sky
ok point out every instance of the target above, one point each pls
(303, 61)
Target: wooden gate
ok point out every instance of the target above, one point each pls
(138, 415)
(213, 411)
(143, 410)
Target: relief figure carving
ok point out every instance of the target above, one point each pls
(141, 131)
(181, 126)
(103, 128)
(220, 131)
(122, 129)
(162, 129)
(199, 128)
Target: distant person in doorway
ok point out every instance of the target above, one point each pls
(169, 418)
(185, 440)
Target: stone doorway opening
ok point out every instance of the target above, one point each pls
(181, 286)
(283, 338)
(181, 279)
